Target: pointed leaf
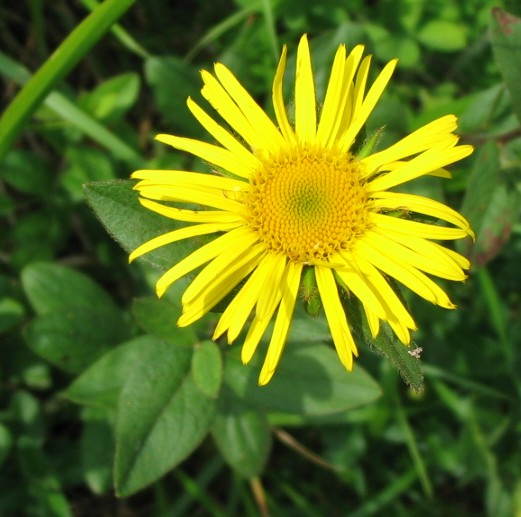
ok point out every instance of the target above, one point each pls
(242, 434)
(116, 205)
(162, 418)
(101, 383)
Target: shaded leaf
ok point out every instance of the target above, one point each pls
(505, 35)
(310, 380)
(242, 434)
(207, 368)
(162, 418)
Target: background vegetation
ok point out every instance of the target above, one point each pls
(75, 319)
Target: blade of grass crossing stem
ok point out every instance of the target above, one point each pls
(414, 451)
(64, 58)
(124, 37)
(270, 26)
(70, 112)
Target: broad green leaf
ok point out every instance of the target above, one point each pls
(242, 434)
(505, 35)
(310, 380)
(72, 339)
(112, 98)
(443, 35)
(173, 81)
(116, 205)
(162, 418)
(207, 368)
(101, 383)
(53, 288)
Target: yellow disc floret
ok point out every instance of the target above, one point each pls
(308, 203)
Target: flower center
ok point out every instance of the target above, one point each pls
(308, 203)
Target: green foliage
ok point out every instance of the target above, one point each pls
(101, 389)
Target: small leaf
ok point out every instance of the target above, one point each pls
(242, 434)
(116, 205)
(54, 288)
(162, 418)
(112, 98)
(506, 45)
(101, 383)
(6, 442)
(11, 312)
(442, 35)
(207, 368)
(310, 380)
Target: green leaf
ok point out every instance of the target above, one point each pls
(85, 164)
(74, 338)
(505, 35)
(242, 435)
(162, 418)
(112, 98)
(77, 322)
(6, 442)
(491, 204)
(443, 35)
(159, 318)
(101, 383)
(97, 449)
(207, 368)
(27, 172)
(116, 205)
(310, 380)
(11, 312)
(173, 81)
(53, 288)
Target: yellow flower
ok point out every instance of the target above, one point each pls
(291, 198)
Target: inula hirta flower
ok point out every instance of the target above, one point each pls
(291, 198)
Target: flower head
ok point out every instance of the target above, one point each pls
(294, 197)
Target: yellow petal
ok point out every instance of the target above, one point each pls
(420, 205)
(182, 233)
(425, 231)
(418, 141)
(374, 94)
(211, 153)
(278, 100)
(239, 238)
(268, 136)
(305, 101)
(335, 316)
(191, 216)
(243, 155)
(291, 283)
(434, 158)
(406, 274)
